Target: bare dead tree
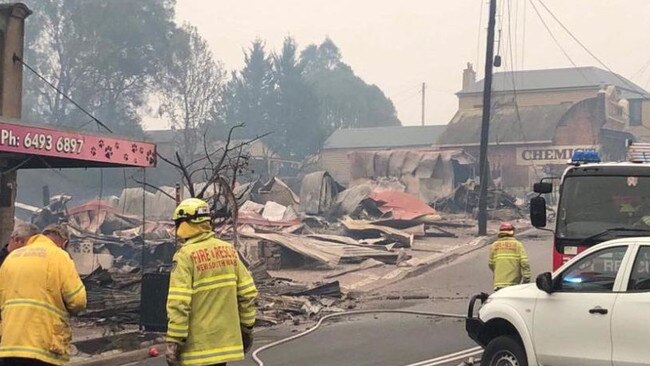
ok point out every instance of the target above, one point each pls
(217, 168)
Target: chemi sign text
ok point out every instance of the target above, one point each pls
(549, 155)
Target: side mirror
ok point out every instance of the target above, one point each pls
(543, 187)
(538, 211)
(545, 282)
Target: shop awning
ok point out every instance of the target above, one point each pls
(29, 146)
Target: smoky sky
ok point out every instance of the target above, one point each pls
(398, 44)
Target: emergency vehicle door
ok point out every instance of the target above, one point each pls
(631, 318)
(572, 325)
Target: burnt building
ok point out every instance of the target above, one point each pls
(540, 117)
(335, 155)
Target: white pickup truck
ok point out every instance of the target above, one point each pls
(593, 311)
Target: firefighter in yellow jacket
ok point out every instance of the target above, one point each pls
(508, 259)
(211, 297)
(39, 290)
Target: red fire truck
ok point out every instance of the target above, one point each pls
(597, 201)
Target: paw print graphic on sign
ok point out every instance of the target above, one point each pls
(117, 145)
(134, 148)
(126, 157)
(141, 150)
(93, 151)
(150, 157)
(101, 144)
(108, 152)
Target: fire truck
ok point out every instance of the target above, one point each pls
(598, 201)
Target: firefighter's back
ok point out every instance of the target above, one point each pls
(208, 268)
(35, 320)
(505, 256)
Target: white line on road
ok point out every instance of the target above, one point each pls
(459, 358)
(450, 357)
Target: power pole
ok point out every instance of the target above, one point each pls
(423, 88)
(485, 123)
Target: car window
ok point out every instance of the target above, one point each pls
(640, 276)
(593, 273)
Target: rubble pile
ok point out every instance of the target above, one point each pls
(327, 233)
(336, 227)
(111, 251)
(113, 296)
(464, 198)
(282, 300)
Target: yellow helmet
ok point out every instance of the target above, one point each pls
(192, 210)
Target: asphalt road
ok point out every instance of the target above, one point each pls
(399, 340)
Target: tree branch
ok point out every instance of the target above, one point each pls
(228, 149)
(187, 176)
(205, 148)
(216, 171)
(168, 161)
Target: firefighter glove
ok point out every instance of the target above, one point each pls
(172, 353)
(247, 337)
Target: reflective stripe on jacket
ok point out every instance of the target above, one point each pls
(509, 262)
(39, 289)
(211, 295)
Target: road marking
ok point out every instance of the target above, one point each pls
(450, 357)
(459, 358)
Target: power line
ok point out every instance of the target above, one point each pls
(17, 58)
(500, 28)
(641, 70)
(548, 29)
(587, 49)
(86, 124)
(523, 41)
(403, 91)
(478, 40)
(408, 97)
(516, 29)
(514, 89)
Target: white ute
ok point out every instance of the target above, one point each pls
(593, 311)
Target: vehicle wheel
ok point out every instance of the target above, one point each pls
(504, 351)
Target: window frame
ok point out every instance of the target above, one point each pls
(635, 119)
(628, 275)
(621, 275)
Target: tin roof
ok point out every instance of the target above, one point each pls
(384, 137)
(538, 123)
(566, 78)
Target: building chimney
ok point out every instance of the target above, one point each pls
(12, 27)
(469, 77)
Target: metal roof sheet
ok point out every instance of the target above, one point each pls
(538, 123)
(384, 137)
(581, 77)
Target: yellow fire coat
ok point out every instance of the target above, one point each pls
(39, 289)
(509, 261)
(211, 294)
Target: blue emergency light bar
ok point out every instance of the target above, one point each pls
(585, 156)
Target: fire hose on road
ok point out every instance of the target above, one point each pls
(438, 361)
